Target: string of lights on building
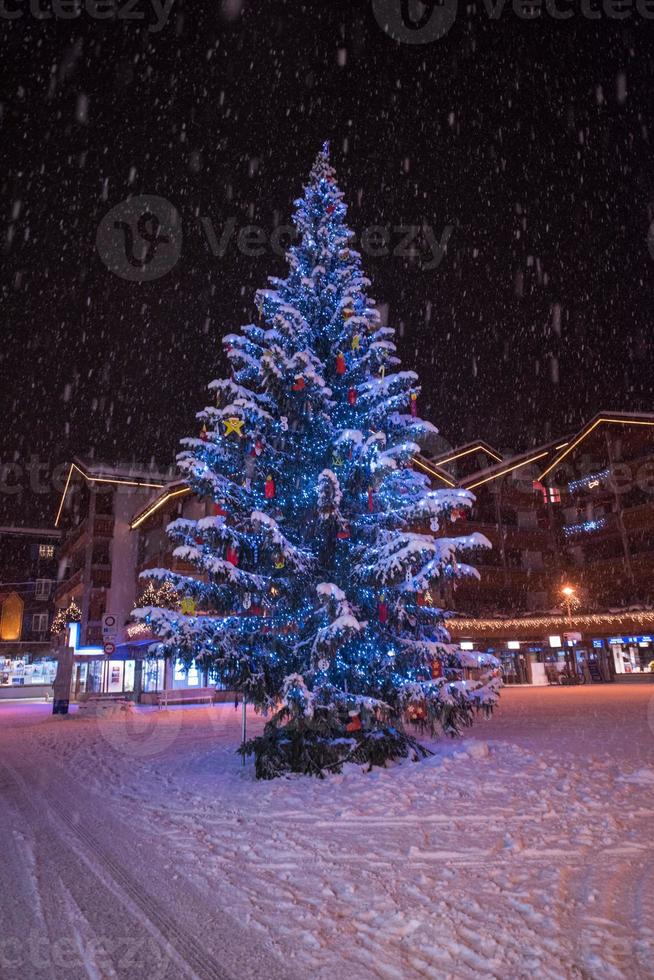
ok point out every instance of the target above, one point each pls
(589, 482)
(620, 622)
(584, 527)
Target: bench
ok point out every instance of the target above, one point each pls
(198, 695)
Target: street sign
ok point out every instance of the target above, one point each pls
(109, 647)
(109, 625)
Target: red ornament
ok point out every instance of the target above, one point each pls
(269, 488)
(299, 383)
(344, 533)
(218, 510)
(204, 435)
(231, 555)
(436, 668)
(413, 404)
(352, 396)
(354, 725)
(382, 611)
(330, 209)
(340, 363)
(416, 712)
(371, 502)
(457, 514)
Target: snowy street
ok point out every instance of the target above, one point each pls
(144, 848)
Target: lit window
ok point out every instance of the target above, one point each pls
(46, 551)
(550, 494)
(11, 621)
(43, 586)
(39, 622)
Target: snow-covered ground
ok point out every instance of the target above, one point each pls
(143, 848)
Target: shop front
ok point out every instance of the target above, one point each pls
(27, 676)
(103, 675)
(551, 649)
(633, 656)
(137, 676)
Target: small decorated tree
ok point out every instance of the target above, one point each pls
(72, 614)
(317, 564)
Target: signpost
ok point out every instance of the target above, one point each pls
(109, 626)
(109, 633)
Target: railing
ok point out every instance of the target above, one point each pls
(68, 584)
(103, 526)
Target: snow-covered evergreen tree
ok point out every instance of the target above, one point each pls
(317, 565)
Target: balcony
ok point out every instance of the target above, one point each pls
(102, 526)
(100, 576)
(589, 530)
(69, 584)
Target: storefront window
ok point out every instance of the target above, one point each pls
(187, 676)
(153, 675)
(128, 675)
(20, 672)
(633, 655)
(213, 680)
(114, 676)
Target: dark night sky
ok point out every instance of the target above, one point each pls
(531, 138)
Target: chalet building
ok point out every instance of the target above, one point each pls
(97, 562)
(568, 581)
(564, 593)
(28, 576)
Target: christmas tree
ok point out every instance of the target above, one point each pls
(316, 562)
(72, 614)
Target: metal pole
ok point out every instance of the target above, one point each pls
(243, 727)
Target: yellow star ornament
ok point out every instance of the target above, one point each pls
(234, 424)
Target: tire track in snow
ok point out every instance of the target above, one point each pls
(185, 950)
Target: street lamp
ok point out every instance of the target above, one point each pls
(570, 598)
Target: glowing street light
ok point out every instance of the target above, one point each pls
(570, 598)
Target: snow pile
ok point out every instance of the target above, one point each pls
(105, 707)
